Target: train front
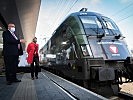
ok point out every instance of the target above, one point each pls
(109, 56)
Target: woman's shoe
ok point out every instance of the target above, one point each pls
(36, 77)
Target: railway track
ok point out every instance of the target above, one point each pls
(58, 81)
(125, 96)
(122, 96)
(73, 97)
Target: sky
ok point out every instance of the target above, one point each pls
(53, 12)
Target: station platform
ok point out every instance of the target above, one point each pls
(47, 87)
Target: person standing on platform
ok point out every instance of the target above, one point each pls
(11, 50)
(33, 56)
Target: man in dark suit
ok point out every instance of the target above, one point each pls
(11, 51)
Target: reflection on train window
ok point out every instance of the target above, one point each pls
(90, 22)
(84, 50)
(108, 23)
(69, 32)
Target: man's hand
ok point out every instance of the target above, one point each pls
(22, 41)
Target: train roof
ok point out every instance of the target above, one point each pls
(80, 13)
(85, 13)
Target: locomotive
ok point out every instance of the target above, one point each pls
(89, 47)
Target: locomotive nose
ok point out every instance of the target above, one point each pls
(102, 73)
(114, 50)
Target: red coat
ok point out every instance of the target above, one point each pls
(31, 50)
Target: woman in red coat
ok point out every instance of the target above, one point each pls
(33, 56)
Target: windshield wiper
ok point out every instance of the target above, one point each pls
(99, 35)
(115, 34)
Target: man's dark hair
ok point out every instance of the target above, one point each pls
(35, 38)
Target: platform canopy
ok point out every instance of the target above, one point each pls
(24, 14)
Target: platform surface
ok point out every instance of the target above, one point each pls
(47, 87)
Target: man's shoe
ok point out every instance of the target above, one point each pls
(8, 83)
(32, 78)
(17, 80)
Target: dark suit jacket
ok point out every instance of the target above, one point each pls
(10, 44)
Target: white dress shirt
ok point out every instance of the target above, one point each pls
(15, 38)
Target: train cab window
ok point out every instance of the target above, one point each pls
(92, 25)
(109, 23)
(90, 22)
(110, 26)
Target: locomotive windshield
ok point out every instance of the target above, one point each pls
(99, 26)
(108, 23)
(90, 22)
(92, 25)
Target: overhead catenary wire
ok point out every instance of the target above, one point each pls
(121, 10)
(47, 3)
(62, 9)
(68, 5)
(125, 18)
(67, 11)
(60, 2)
(71, 7)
